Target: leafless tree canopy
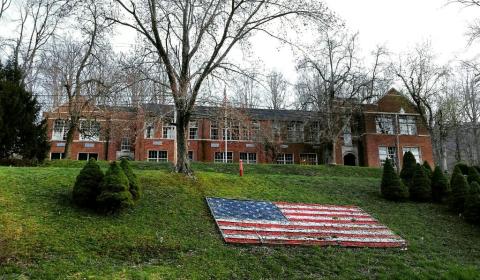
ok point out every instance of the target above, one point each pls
(334, 81)
(193, 39)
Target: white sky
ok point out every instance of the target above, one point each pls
(396, 24)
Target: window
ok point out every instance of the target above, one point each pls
(285, 159)
(415, 151)
(295, 132)
(249, 158)
(347, 136)
(219, 157)
(214, 131)
(60, 130)
(157, 156)
(387, 152)
(168, 130)
(193, 130)
(190, 155)
(232, 132)
(89, 130)
(313, 134)
(87, 156)
(255, 131)
(149, 130)
(309, 159)
(408, 125)
(54, 156)
(245, 132)
(384, 124)
(125, 144)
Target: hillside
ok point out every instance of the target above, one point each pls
(171, 234)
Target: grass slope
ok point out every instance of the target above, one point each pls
(170, 234)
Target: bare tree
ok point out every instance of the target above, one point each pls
(246, 90)
(38, 21)
(276, 90)
(474, 28)
(78, 67)
(421, 79)
(4, 5)
(193, 39)
(333, 83)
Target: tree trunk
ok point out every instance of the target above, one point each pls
(183, 163)
(69, 141)
(333, 153)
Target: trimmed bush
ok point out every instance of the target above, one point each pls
(472, 204)
(473, 175)
(87, 185)
(420, 189)
(392, 187)
(408, 168)
(115, 194)
(440, 186)
(428, 168)
(459, 186)
(134, 186)
(463, 167)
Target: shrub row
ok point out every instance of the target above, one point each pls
(420, 183)
(110, 192)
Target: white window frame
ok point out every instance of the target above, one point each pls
(88, 155)
(407, 125)
(418, 156)
(382, 120)
(282, 158)
(214, 126)
(218, 157)
(157, 157)
(60, 130)
(125, 146)
(382, 156)
(308, 162)
(149, 130)
(193, 127)
(62, 155)
(295, 131)
(248, 158)
(93, 137)
(168, 130)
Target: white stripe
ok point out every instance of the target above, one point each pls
(323, 224)
(333, 231)
(305, 238)
(312, 207)
(332, 218)
(292, 211)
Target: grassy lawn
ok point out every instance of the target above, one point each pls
(171, 235)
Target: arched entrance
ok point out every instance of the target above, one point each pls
(349, 159)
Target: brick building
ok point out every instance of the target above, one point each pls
(385, 129)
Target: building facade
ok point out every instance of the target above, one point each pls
(388, 128)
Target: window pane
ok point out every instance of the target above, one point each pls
(82, 156)
(384, 124)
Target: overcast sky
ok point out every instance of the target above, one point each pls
(398, 25)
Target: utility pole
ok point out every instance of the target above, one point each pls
(225, 134)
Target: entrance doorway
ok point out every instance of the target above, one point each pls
(349, 159)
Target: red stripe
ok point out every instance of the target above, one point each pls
(318, 242)
(328, 215)
(316, 205)
(306, 234)
(333, 221)
(260, 225)
(322, 210)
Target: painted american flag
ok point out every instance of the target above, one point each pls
(263, 222)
